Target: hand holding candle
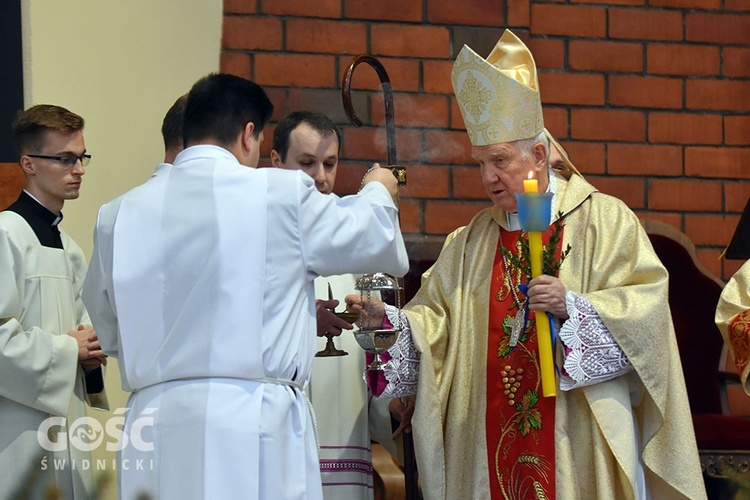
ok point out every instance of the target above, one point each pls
(534, 214)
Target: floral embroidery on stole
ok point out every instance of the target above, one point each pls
(739, 336)
(520, 422)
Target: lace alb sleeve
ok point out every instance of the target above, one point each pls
(591, 354)
(402, 370)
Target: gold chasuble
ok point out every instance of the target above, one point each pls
(520, 422)
(601, 432)
(733, 319)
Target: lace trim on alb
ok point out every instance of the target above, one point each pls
(402, 371)
(591, 353)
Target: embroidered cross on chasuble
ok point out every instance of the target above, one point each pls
(520, 422)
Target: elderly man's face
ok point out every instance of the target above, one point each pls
(504, 168)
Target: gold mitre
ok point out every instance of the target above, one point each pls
(498, 97)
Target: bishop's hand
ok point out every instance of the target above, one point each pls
(371, 311)
(402, 410)
(547, 293)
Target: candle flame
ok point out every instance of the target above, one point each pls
(531, 174)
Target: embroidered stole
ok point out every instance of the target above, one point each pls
(520, 422)
(739, 333)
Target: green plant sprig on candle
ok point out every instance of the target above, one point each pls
(550, 263)
(521, 259)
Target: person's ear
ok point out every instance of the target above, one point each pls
(247, 136)
(275, 158)
(27, 165)
(540, 156)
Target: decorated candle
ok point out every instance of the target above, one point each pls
(544, 338)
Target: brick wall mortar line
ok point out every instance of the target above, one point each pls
(728, 60)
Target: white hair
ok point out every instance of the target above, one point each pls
(527, 145)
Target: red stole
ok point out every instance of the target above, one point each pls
(520, 421)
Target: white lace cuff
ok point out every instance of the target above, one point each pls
(591, 354)
(402, 370)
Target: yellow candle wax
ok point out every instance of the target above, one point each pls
(535, 253)
(544, 337)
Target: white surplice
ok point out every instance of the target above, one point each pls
(40, 376)
(201, 283)
(161, 168)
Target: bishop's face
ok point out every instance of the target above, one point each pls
(315, 154)
(50, 181)
(504, 167)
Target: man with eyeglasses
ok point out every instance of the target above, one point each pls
(50, 358)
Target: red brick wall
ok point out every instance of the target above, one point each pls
(651, 98)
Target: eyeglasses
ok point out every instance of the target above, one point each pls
(67, 161)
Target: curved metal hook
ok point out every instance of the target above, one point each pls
(411, 478)
(385, 83)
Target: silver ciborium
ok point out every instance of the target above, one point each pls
(374, 338)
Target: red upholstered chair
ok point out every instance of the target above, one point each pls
(12, 183)
(723, 439)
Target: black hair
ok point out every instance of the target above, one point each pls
(171, 127)
(283, 131)
(220, 105)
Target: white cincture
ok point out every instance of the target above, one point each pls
(262, 380)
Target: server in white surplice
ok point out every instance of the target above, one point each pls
(49, 366)
(201, 282)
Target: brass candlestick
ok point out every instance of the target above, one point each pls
(330, 348)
